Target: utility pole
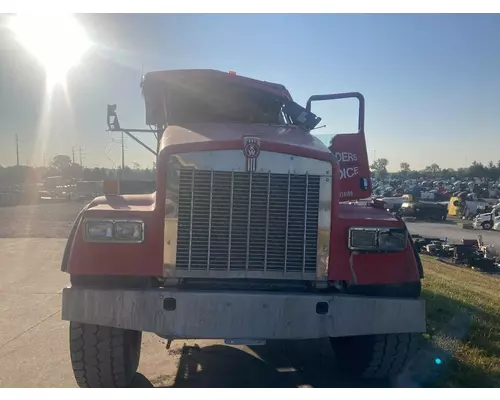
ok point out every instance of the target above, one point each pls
(17, 150)
(123, 151)
(123, 155)
(73, 151)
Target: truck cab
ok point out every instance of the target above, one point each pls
(247, 237)
(488, 220)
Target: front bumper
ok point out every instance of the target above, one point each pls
(243, 315)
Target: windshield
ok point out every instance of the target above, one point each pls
(232, 104)
(181, 97)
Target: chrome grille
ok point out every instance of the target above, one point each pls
(241, 221)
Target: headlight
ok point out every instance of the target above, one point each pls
(377, 239)
(360, 238)
(128, 230)
(99, 230)
(124, 231)
(392, 239)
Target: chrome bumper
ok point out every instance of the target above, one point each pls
(243, 315)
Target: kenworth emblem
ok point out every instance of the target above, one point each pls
(251, 150)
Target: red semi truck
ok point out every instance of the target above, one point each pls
(247, 237)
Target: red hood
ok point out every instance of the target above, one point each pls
(230, 132)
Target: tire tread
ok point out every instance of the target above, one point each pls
(99, 355)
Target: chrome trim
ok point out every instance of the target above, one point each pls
(230, 223)
(210, 218)
(113, 221)
(377, 230)
(305, 224)
(267, 219)
(241, 274)
(287, 219)
(324, 225)
(191, 224)
(234, 161)
(249, 214)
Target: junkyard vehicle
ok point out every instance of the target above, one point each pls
(423, 210)
(487, 220)
(246, 238)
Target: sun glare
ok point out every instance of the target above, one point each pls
(58, 42)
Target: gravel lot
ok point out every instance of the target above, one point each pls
(49, 220)
(34, 343)
(34, 339)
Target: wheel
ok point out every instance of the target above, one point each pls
(487, 225)
(374, 356)
(102, 356)
(443, 217)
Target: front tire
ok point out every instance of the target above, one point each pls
(374, 356)
(487, 225)
(104, 357)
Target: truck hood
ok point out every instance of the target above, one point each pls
(357, 214)
(485, 215)
(229, 132)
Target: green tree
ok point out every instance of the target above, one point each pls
(61, 163)
(379, 166)
(432, 169)
(405, 168)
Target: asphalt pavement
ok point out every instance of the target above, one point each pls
(451, 230)
(34, 350)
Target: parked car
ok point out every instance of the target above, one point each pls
(421, 210)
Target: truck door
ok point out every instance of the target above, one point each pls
(350, 151)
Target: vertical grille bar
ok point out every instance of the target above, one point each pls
(249, 220)
(191, 220)
(306, 196)
(286, 229)
(210, 218)
(230, 222)
(247, 223)
(267, 217)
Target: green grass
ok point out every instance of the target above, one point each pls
(464, 304)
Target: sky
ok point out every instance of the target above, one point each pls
(431, 81)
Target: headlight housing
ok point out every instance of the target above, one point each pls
(119, 231)
(374, 239)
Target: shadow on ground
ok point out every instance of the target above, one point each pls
(311, 363)
(278, 364)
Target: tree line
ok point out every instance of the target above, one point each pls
(63, 166)
(475, 170)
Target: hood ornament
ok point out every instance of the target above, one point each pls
(251, 150)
